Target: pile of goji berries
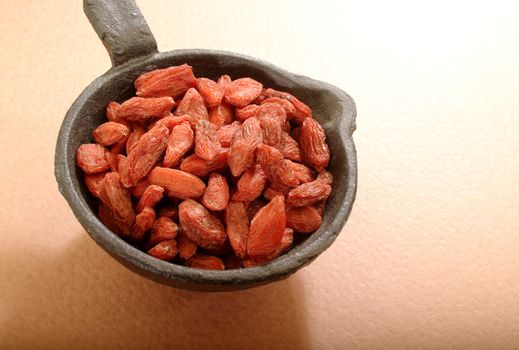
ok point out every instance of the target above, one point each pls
(208, 174)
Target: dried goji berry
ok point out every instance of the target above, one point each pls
(172, 81)
(180, 141)
(308, 193)
(109, 133)
(241, 92)
(163, 229)
(170, 121)
(90, 157)
(250, 185)
(226, 133)
(165, 250)
(271, 128)
(123, 170)
(193, 106)
(272, 110)
(143, 223)
(216, 195)
(326, 177)
(169, 212)
(253, 207)
(117, 198)
(135, 135)
(267, 228)
(221, 114)
(105, 215)
(302, 172)
(287, 106)
(286, 243)
(200, 226)
(302, 111)
(186, 247)
(111, 112)
(244, 143)
(207, 143)
(289, 147)
(201, 167)
(151, 196)
(143, 108)
(177, 183)
(206, 262)
(270, 193)
(224, 80)
(211, 91)
(247, 112)
(139, 189)
(273, 164)
(94, 183)
(303, 219)
(237, 227)
(313, 144)
(147, 152)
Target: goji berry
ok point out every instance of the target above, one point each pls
(177, 183)
(201, 167)
(207, 143)
(221, 114)
(143, 108)
(109, 133)
(237, 227)
(226, 133)
(302, 111)
(94, 183)
(216, 195)
(163, 229)
(308, 193)
(266, 229)
(206, 262)
(289, 147)
(134, 137)
(303, 219)
(241, 92)
(180, 141)
(117, 199)
(151, 196)
(90, 157)
(186, 247)
(313, 144)
(243, 146)
(165, 250)
(143, 223)
(275, 167)
(211, 91)
(172, 81)
(147, 152)
(200, 226)
(250, 185)
(247, 112)
(193, 106)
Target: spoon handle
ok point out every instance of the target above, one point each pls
(122, 29)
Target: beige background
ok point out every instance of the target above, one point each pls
(429, 258)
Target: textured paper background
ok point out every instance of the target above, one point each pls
(429, 258)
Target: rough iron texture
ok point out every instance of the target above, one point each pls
(332, 107)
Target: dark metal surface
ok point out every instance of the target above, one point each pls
(332, 107)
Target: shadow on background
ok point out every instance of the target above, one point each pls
(86, 299)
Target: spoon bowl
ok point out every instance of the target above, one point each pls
(133, 51)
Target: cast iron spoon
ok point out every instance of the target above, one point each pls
(133, 51)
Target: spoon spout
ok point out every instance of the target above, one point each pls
(122, 29)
